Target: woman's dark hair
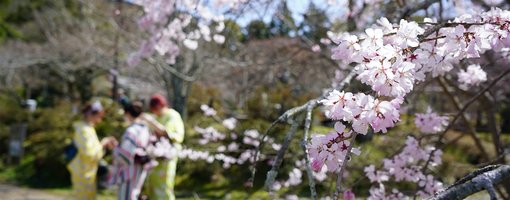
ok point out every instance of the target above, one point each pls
(134, 108)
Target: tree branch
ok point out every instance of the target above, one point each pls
(411, 9)
(476, 181)
(462, 110)
(471, 129)
(290, 113)
(311, 181)
(271, 175)
(172, 70)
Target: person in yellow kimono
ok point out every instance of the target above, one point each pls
(83, 166)
(166, 123)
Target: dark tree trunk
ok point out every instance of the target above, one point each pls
(178, 88)
(179, 97)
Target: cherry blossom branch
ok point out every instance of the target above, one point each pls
(452, 24)
(485, 178)
(290, 113)
(344, 164)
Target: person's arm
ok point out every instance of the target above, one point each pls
(175, 127)
(153, 124)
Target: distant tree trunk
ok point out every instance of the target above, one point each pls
(178, 84)
(83, 84)
(180, 89)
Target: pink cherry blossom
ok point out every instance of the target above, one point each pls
(349, 195)
(230, 123)
(316, 48)
(330, 149)
(430, 122)
(407, 33)
(208, 111)
(405, 167)
(473, 76)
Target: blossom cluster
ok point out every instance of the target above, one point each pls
(209, 134)
(234, 150)
(362, 110)
(161, 148)
(391, 59)
(229, 123)
(381, 61)
(472, 76)
(208, 111)
(295, 176)
(168, 23)
(330, 149)
(430, 122)
(405, 167)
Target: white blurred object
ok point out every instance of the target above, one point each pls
(31, 104)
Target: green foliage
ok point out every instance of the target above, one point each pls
(269, 103)
(258, 30)
(16, 13)
(48, 133)
(281, 25)
(43, 164)
(232, 32)
(315, 23)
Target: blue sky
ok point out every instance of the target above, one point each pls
(297, 7)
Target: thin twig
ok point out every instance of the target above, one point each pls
(471, 130)
(271, 175)
(459, 113)
(411, 9)
(311, 181)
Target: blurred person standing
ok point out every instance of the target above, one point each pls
(130, 158)
(83, 166)
(166, 123)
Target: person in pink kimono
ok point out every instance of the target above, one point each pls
(130, 160)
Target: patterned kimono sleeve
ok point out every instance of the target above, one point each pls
(125, 153)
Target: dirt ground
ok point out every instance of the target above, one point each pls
(18, 193)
